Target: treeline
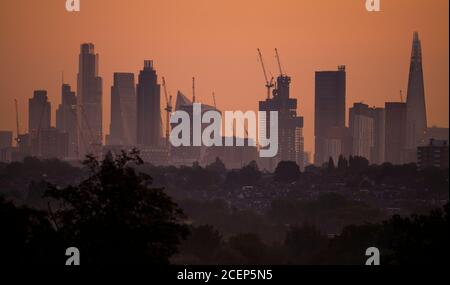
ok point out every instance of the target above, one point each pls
(119, 211)
(419, 239)
(16, 178)
(330, 212)
(113, 216)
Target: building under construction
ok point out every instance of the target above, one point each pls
(187, 155)
(290, 125)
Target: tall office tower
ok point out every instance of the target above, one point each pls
(123, 110)
(149, 124)
(330, 88)
(361, 125)
(89, 100)
(416, 116)
(290, 125)
(66, 119)
(395, 132)
(39, 112)
(367, 126)
(379, 135)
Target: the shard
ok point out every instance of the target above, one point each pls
(416, 116)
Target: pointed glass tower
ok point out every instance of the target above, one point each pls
(416, 115)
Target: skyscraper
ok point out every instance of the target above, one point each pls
(149, 124)
(89, 109)
(39, 112)
(367, 126)
(362, 125)
(416, 116)
(290, 125)
(123, 110)
(66, 119)
(330, 88)
(395, 132)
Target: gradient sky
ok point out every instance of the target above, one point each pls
(216, 41)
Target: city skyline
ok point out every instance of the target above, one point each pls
(365, 82)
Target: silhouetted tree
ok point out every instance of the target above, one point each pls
(114, 216)
(217, 166)
(342, 163)
(250, 173)
(358, 163)
(287, 171)
(27, 237)
(419, 239)
(331, 164)
(202, 242)
(250, 246)
(247, 175)
(304, 243)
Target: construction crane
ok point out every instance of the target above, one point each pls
(193, 89)
(214, 99)
(279, 62)
(94, 144)
(17, 123)
(168, 109)
(269, 84)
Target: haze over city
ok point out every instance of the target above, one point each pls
(216, 42)
(247, 133)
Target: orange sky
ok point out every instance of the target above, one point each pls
(216, 41)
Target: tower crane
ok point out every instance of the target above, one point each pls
(279, 62)
(168, 109)
(269, 84)
(94, 144)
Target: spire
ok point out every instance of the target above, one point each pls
(416, 53)
(415, 100)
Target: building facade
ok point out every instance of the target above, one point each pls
(123, 125)
(149, 123)
(416, 115)
(39, 112)
(290, 125)
(330, 90)
(395, 146)
(89, 102)
(435, 154)
(66, 119)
